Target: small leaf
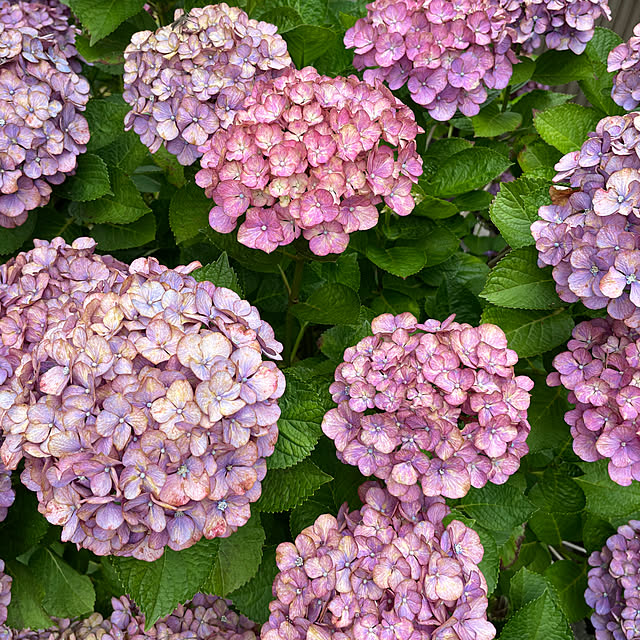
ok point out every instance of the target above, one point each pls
(67, 594)
(238, 559)
(401, 261)
(491, 122)
(102, 18)
(539, 156)
(105, 118)
(126, 152)
(524, 587)
(331, 304)
(518, 283)
(219, 273)
(566, 127)
(435, 208)
(25, 609)
(112, 237)
(570, 582)
(90, 181)
(540, 619)
(284, 489)
(189, 212)
(490, 563)
(531, 333)
(334, 341)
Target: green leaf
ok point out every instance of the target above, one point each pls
(607, 499)
(90, 181)
(284, 489)
(557, 491)
(531, 333)
(491, 122)
(105, 118)
(546, 416)
(599, 47)
(189, 212)
(539, 156)
(522, 71)
(566, 127)
(538, 100)
(345, 270)
(238, 559)
(497, 507)
(111, 237)
(158, 587)
(67, 594)
(561, 67)
(515, 208)
(490, 563)
(334, 341)
(126, 152)
(102, 18)
(540, 619)
(401, 261)
(525, 586)
(306, 43)
(219, 273)
(554, 527)
(595, 532)
(468, 170)
(25, 609)
(12, 239)
(253, 598)
(302, 411)
(331, 304)
(518, 283)
(570, 582)
(23, 527)
(435, 208)
(123, 207)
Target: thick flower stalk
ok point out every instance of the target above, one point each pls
(625, 60)
(450, 52)
(143, 409)
(42, 131)
(188, 79)
(388, 570)
(432, 408)
(203, 618)
(590, 234)
(311, 155)
(613, 585)
(601, 370)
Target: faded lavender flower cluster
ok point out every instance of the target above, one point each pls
(431, 408)
(614, 583)
(449, 52)
(137, 396)
(92, 628)
(188, 79)
(389, 570)
(5, 595)
(41, 95)
(601, 370)
(625, 59)
(591, 234)
(311, 155)
(202, 618)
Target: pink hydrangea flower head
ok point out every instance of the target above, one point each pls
(625, 60)
(601, 370)
(432, 408)
(137, 396)
(589, 234)
(41, 96)
(613, 584)
(188, 79)
(389, 569)
(311, 155)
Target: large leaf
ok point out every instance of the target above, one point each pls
(515, 208)
(518, 283)
(158, 587)
(90, 181)
(189, 212)
(331, 304)
(105, 119)
(491, 122)
(111, 236)
(283, 489)
(570, 582)
(540, 619)
(531, 333)
(306, 43)
(102, 18)
(237, 560)
(12, 239)
(25, 610)
(561, 67)
(468, 170)
(546, 416)
(566, 127)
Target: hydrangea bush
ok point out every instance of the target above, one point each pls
(319, 320)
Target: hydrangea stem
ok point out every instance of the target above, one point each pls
(294, 292)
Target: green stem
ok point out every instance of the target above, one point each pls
(294, 292)
(505, 99)
(296, 344)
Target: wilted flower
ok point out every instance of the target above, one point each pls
(41, 130)
(601, 370)
(137, 396)
(613, 585)
(389, 570)
(451, 413)
(311, 155)
(589, 235)
(188, 79)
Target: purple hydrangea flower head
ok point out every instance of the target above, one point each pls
(311, 155)
(432, 408)
(94, 627)
(625, 59)
(188, 79)
(388, 570)
(601, 370)
(137, 396)
(613, 585)
(5, 594)
(41, 97)
(589, 234)
(202, 618)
